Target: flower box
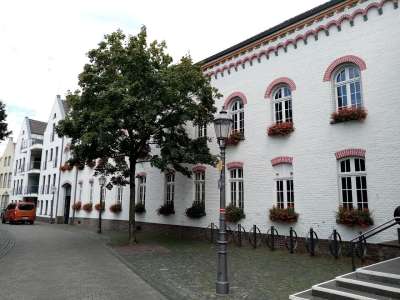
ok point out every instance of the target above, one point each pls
(234, 138)
(99, 206)
(280, 129)
(140, 208)
(66, 167)
(354, 217)
(88, 207)
(284, 215)
(348, 114)
(166, 209)
(196, 211)
(77, 206)
(116, 208)
(234, 214)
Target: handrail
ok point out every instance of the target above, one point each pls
(362, 238)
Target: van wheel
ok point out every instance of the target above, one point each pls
(3, 220)
(31, 222)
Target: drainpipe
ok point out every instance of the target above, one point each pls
(76, 180)
(59, 176)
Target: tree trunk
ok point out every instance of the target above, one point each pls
(132, 200)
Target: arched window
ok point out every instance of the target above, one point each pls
(353, 182)
(282, 104)
(284, 187)
(237, 111)
(347, 81)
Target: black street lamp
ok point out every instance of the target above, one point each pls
(222, 124)
(102, 182)
(53, 191)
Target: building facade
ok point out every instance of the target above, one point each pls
(27, 161)
(6, 161)
(314, 104)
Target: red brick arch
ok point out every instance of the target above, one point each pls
(199, 168)
(232, 97)
(342, 60)
(352, 152)
(234, 165)
(281, 80)
(281, 160)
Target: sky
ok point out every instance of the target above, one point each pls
(44, 43)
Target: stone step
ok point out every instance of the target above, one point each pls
(332, 291)
(354, 282)
(306, 295)
(379, 277)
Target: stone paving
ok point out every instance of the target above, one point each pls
(57, 262)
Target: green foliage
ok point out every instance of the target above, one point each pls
(284, 215)
(353, 217)
(132, 95)
(196, 211)
(3, 125)
(140, 208)
(166, 209)
(234, 214)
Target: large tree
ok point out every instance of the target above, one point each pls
(133, 96)
(4, 132)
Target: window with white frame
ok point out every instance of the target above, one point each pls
(91, 192)
(120, 190)
(141, 190)
(170, 188)
(284, 187)
(282, 104)
(353, 182)
(201, 131)
(200, 187)
(347, 83)
(237, 187)
(237, 112)
(80, 190)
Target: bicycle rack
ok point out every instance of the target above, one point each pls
(291, 241)
(211, 233)
(272, 234)
(255, 237)
(312, 242)
(239, 235)
(229, 234)
(335, 244)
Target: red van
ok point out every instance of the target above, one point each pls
(24, 212)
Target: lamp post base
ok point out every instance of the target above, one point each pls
(222, 287)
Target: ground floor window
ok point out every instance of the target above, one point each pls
(237, 187)
(170, 188)
(141, 189)
(200, 187)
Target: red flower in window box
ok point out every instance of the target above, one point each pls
(354, 217)
(349, 114)
(77, 206)
(234, 138)
(87, 207)
(281, 129)
(99, 206)
(284, 215)
(116, 208)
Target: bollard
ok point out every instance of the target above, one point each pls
(291, 244)
(312, 252)
(255, 236)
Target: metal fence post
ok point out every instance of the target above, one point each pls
(291, 240)
(239, 231)
(255, 236)
(312, 253)
(272, 238)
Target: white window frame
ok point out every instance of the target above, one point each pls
(285, 102)
(347, 83)
(357, 179)
(120, 193)
(236, 184)
(170, 188)
(199, 183)
(91, 192)
(237, 113)
(80, 190)
(141, 190)
(286, 189)
(201, 130)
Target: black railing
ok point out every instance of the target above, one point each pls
(34, 165)
(359, 243)
(33, 189)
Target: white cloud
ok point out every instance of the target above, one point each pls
(44, 43)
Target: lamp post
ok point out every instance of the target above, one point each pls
(53, 191)
(102, 182)
(222, 124)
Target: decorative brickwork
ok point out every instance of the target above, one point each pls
(281, 160)
(341, 60)
(281, 80)
(141, 174)
(234, 165)
(232, 97)
(350, 153)
(199, 168)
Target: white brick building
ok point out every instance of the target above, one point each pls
(6, 161)
(341, 57)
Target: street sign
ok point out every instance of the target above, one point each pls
(109, 186)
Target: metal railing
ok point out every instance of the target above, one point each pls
(32, 189)
(358, 244)
(31, 142)
(35, 165)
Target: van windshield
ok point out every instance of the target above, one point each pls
(26, 206)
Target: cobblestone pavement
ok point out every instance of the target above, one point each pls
(54, 262)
